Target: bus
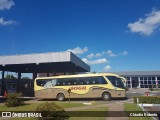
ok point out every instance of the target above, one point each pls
(100, 85)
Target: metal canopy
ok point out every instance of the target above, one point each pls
(43, 62)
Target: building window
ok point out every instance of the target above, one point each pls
(141, 78)
(146, 86)
(142, 86)
(128, 82)
(153, 82)
(153, 78)
(158, 78)
(128, 78)
(145, 82)
(145, 78)
(141, 82)
(149, 82)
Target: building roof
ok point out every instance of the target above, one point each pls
(138, 73)
(44, 62)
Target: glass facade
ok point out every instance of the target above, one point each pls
(143, 82)
(128, 82)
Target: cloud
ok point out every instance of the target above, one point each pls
(110, 53)
(90, 55)
(78, 50)
(6, 4)
(106, 68)
(5, 23)
(147, 25)
(123, 53)
(93, 62)
(99, 54)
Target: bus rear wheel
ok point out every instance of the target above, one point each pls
(60, 97)
(106, 96)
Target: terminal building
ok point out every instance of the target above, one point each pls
(141, 79)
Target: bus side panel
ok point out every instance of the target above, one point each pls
(98, 91)
(46, 93)
(94, 92)
(52, 93)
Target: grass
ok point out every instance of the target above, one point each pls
(32, 107)
(133, 107)
(25, 107)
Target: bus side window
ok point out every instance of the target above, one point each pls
(87, 82)
(102, 80)
(58, 83)
(82, 81)
(41, 82)
(95, 80)
(92, 80)
(73, 81)
(69, 81)
(64, 83)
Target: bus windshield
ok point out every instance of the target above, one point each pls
(116, 81)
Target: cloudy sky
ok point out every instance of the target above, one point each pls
(109, 35)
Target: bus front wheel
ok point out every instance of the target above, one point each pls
(60, 97)
(106, 96)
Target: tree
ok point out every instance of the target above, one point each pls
(9, 76)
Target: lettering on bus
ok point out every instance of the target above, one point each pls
(79, 88)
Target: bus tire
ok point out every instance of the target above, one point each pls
(106, 96)
(60, 97)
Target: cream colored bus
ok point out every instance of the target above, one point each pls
(101, 85)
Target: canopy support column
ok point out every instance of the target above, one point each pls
(18, 82)
(3, 85)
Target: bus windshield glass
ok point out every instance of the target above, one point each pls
(116, 81)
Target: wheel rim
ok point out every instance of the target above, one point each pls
(60, 98)
(106, 96)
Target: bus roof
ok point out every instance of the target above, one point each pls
(79, 75)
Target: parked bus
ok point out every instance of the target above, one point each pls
(101, 85)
